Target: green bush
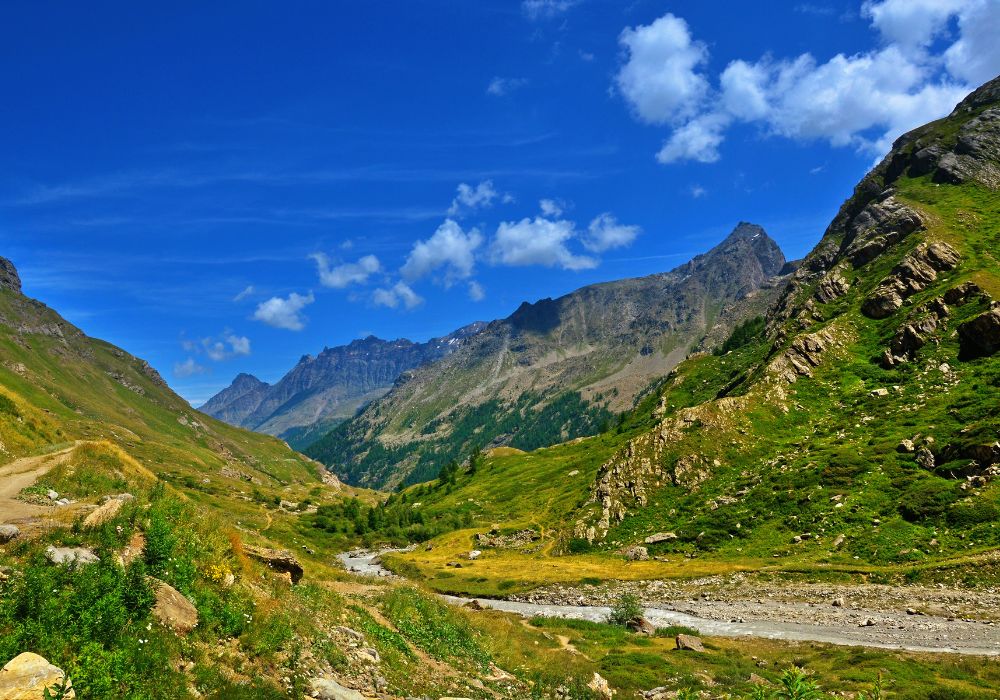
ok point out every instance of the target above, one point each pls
(626, 608)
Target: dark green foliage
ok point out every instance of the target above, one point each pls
(750, 331)
(627, 607)
(432, 626)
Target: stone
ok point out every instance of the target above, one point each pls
(881, 391)
(599, 686)
(839, 541)
(661, 537)
(52, 495)
(104, 513)
(474, 554)
(172, 609)
(980, 336)
(9, 532)
(867, 622)
(330, 689)
(279, 560)
(838, 602)
(906, 445)
(641, 625)
(636, 553)
(925, 458)
(27, 676)
(913, 274)
(73, 557)
(687, 642)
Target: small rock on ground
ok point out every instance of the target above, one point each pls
(173, 609)
(9, 532)
(329, 689)
(687, 642)
(71, 556)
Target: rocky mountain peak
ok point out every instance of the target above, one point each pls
(9, 279)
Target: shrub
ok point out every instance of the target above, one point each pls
(627, 607)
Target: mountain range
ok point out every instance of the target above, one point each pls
(321, 391)
(556, 369)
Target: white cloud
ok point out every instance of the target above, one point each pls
(975, 57)
(217, 349)
(247, 291)
(660, 79)
(697, 191)
(538, 242)
(551, 208)
(862, 101)
(605, 233)
(546, 9)
(346, 274)
(284, 313)
(450, 248)
(499, 87)
(469, 197)
(698, 140)
(188, 368)
(399, 294)
(476, 291)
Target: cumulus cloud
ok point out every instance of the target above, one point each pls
(661, 80)
(400, 294)
(341, 276)
(284, 312)
(538, 241)
(863, 101)
(188, 368)
(499, 87)
(546, 9)
(224, 347)
(469, 198)
(551, 208)
(476, 291)
(605, 233)
(450, 249)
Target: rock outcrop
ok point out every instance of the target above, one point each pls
(279, 560)
(913, 274)
(27, 676)
(331, 689)
(73, 557)
(9, 279)
(981, 335)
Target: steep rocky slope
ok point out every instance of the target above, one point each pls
(864, 421)
(555, 369)
(321, 391)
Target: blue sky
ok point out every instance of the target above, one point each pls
(225, 187)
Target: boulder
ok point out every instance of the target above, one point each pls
(74, 557)
(980, 336)
(641, 625)
(661, 537)
(172, 609)
(103, 514)
(330, 689)
(636, 553)
(280, 560)
(8, 533)
(687, 642)
(599, 686)
(27, 676)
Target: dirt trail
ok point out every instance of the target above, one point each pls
(20, 474)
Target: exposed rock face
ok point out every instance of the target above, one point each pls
(279, 560)
(321, 390)
(916, 271)
(9, 279)
(661, 537)
(104, 513)
(27, 676)
(803, 355)
(980, 336)
(599, 686)
(879, 226)
(172, 609)
(604, 342)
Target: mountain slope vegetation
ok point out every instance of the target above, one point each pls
(554, 370)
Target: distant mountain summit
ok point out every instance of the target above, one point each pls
(555, 369)
(323, 390)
